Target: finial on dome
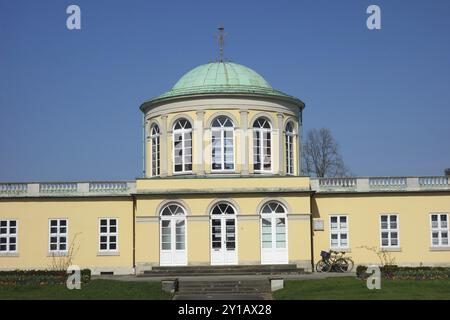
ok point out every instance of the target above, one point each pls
(221, 40)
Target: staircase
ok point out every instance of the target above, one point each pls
(186, 287)
(283, 269)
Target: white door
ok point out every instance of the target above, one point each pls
(173, 236)
(223, 235)
(274, 249)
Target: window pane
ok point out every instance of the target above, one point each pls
(180, 246)
(281, 244)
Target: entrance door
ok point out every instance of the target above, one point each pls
(223, 235)
(173, 236)
(274, 249)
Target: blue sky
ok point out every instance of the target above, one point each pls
(69, 100)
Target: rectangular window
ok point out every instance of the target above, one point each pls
(389, 229)
(108, 234)
(439, 229)
(338, 232)
(58, 235)
(8, 236)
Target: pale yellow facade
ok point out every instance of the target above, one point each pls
(257, 209)
(33, 215)
(364, 211)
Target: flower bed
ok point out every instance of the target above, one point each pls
(39, 277)
(409, 273)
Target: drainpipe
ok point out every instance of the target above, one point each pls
(134, 233)
(311, 199)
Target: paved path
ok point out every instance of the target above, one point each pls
(223, 296)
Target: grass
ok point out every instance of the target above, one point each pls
(94, 290)
(349, 288)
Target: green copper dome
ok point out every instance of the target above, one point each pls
(221, 74)
(221, 78)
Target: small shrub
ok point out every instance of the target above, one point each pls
(39, 277)
(407, 273)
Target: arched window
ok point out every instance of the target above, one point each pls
(274, 233)
(155, 147)
(290, 148)
(173, 235)
(222, 152)
(262, 145)
(223, 234)
(182, 146)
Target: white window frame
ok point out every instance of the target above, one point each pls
(222, 131)
(58, 235)
(262, 131)
(182, 132)
(155, 143)
(339, 231)
(108, 234)
(390, 230)
(439, 229)
(8, 235)
(290, 147)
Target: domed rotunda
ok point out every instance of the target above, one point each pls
(222, 118)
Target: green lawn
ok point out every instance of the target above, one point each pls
(350, 288)
(96, 289)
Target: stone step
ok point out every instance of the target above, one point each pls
(222, 270)
(229, 267)
(224, 286)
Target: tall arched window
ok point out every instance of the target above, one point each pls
(290, 134)
(155, 147)
(223, 234)
(274, 233)
(262, 145)
(182, 146)
(222, 152)
(173, 235)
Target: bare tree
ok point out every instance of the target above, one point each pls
(321, 156)
(447, 172)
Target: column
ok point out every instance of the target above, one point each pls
(281, 165)
(244, 150)
(164, 149)
(199, 159)
(147, 155)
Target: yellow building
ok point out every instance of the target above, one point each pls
(223, 187)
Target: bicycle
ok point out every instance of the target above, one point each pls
(334, 261)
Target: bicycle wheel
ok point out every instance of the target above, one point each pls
(344, 265)
(351, 264)
(323, 266)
